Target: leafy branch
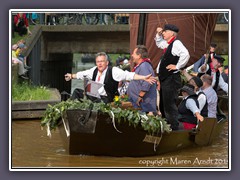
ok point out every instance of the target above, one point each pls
(152, 124)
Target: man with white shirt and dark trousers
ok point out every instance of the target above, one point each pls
(174, 58)
(106, 75)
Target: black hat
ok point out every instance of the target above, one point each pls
(188, 88)
(197, 81)
(171, 27)
(219, 58)
(214, 45)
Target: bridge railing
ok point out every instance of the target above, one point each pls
(78, 18)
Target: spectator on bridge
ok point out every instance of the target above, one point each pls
(21, 24)
(106, 75)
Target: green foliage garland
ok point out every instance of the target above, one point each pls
(152, 124)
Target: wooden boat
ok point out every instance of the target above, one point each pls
(94, 133)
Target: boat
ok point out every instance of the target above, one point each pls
(94, 133)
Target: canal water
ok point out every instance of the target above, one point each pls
(32, 148)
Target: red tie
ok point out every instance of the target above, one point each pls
(98, 78)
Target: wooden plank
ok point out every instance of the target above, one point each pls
(204, 131)
(32, 105)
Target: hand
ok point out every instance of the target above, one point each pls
(139, 100)
(150, 79)
(159, 30)
(68, 77)
(171, 67)
(199, 117)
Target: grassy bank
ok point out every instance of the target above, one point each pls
(27, 92)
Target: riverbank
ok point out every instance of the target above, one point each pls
(35, 108)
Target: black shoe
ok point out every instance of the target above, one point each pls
(23, 77)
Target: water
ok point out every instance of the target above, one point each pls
(31, 147)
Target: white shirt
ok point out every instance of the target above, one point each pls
(178, 49)
(117, 74)
(222, 84)
(212, 101)
(202, 99)
(192, 106)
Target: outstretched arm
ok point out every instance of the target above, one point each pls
(149, 78)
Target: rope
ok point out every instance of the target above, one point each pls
(206, 32)
(66, 127)
(166, 21)
(158, 18)
(194, 33)
(48, 130)
(156, 144)
(113, 121)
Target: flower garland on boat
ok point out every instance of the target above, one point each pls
(152, 124)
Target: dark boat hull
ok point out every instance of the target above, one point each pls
(99, 136)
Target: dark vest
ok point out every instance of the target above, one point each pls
(185, 115)
(110, 85)
(215, 87)
(167, 59)
(204, 111)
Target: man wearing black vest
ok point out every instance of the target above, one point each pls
(212, 70)
(106, 75)
(189, 113)
(175, 57)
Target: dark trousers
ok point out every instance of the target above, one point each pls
(79, 94)
(168, 98)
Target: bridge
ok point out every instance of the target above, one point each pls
(51, 48)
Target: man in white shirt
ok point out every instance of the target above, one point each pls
(174, 58)
(106, 75)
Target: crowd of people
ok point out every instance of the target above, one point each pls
(143, 87)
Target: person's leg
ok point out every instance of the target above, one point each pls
(161, 104)
(77, 94)
(199, 63)
(170, 88)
